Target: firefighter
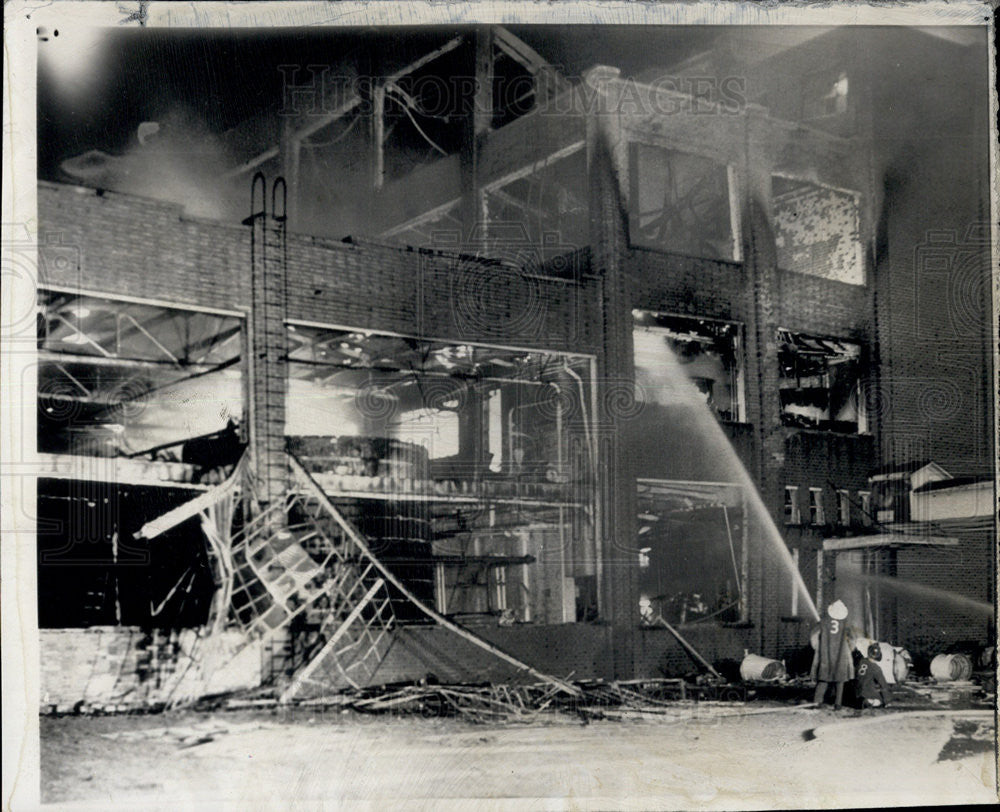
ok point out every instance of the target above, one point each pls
(832, 660)
(869, 681)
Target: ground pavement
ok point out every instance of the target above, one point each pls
(693, 756)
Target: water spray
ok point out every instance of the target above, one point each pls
(669, 385)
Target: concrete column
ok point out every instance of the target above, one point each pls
(617, 554)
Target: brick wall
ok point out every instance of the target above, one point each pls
(929, 621)
(673, 283)
(680, 284)
(122, 667)
(120, 244)
(148, 249)
(819, 459)
(132, 246)
(825, 307)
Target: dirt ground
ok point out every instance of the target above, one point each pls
(694, 756)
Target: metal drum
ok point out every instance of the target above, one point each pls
(951, 668)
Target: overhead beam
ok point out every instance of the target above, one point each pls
(55, 356)
(378, 136)
(167, 521)
(517, 203)
(115, 470)
(534, 167)
(211, 342)
(253, 163)
(435, 214)
(888, 540)
(482, 108)
(523, 53)
(427, 58)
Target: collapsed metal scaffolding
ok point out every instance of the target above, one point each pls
(296, 574)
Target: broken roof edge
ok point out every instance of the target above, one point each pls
(166, 205)
(600, 78)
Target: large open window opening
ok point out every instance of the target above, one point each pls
(140, 407)
(142, 383)
(709, 351)
(471, 465)
(692, 552)
(820, 383)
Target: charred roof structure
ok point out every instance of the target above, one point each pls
(499, 364)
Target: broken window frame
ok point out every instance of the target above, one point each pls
(639, 141)
(794, 356)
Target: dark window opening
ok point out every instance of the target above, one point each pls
(92, 572)
(819, 382)
(690, 554)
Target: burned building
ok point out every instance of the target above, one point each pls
(575, 355)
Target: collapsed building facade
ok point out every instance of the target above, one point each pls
(471, 437)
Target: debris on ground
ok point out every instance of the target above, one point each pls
(509, 703)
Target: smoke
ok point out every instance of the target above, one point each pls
(176, 159)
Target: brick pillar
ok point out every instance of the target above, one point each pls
(763, 401)
(269, 367)
(617, 404)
